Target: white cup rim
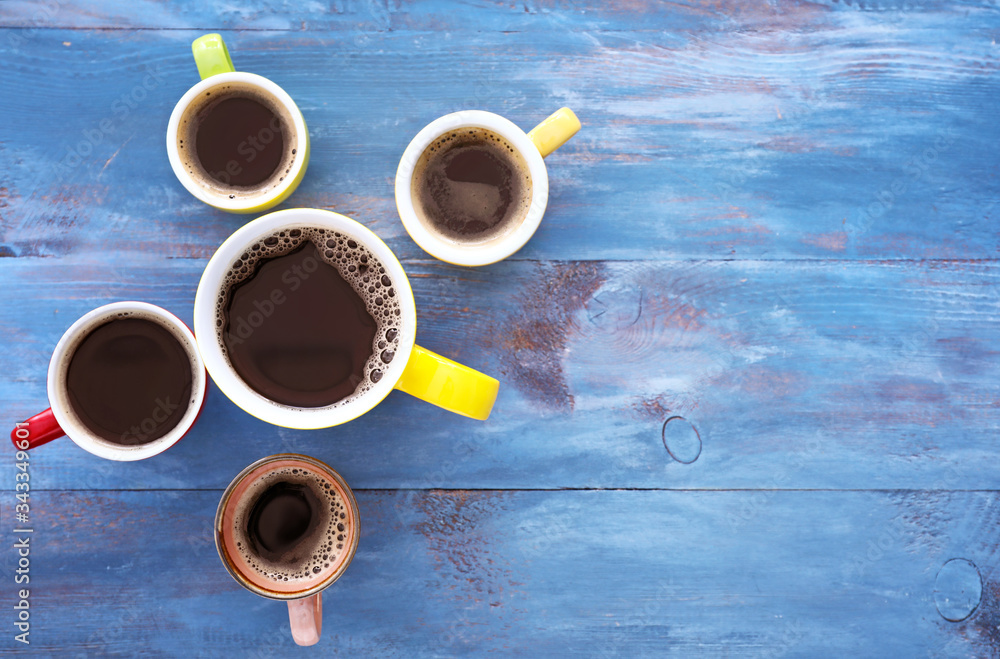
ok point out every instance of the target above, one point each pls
(229, 381)
(75, 429)
(492, 251)
(239, 204)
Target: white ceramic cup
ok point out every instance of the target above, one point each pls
(413, 369)
(60, 419)
(532, 148)
(219, 77)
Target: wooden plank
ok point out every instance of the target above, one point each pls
(862, 138)
(748, 406)
(599, 573)
(749, 402)
(832, 374)
(362, 17)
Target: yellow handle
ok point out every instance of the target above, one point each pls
(554, 131)
(448, 384)
(211, 56)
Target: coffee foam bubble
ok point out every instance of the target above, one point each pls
(356, 264)
(319, 551)
(187, 132)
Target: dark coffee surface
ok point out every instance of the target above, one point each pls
(239, 141)
(291, 525)
(469, 185)
(129, 381)
(284, 514)
(296, 332)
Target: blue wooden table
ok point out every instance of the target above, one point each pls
(749, 400)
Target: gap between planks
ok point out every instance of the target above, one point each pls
(326, 28)
(885, 490)
(805, 259)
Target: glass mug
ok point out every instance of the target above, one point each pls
(287, 356)
(471, 190)
(145, 396)
(286, 528)
(254, 154)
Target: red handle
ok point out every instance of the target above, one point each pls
(39, 429)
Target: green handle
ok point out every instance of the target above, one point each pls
(211, 56)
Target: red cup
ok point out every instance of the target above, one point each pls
(60, 419)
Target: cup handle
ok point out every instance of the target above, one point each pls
(211, 56)
(554, 131)
(448, 384)
(39, 429)
(306, 618)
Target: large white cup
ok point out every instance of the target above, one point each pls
(413, 369)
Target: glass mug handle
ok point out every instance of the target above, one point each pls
(554, 131)
(211, 56)
(306, 619)
(448, 384)
(39, 429)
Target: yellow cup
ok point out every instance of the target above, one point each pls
(221, 80)
(414, 370)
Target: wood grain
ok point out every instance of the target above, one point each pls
(360, 17)
(806, 374)
(860, 138)
(777, 229)
(446, 573)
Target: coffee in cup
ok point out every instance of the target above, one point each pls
(472, 187)
(286, 528)
(306, 319)
(125, 382)
(235, 140)
(128, 380)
